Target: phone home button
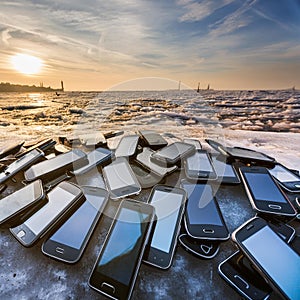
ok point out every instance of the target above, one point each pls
(208, 231)
(274, 206)
(60, 250)
(108, 287)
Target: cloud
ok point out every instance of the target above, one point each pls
(230, 23)
(5, 36)
(199, 10)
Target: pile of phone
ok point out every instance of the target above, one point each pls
(265, 263)
(51, 205)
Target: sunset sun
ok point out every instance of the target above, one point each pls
(26, 64)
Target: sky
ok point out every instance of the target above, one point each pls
(99, 45)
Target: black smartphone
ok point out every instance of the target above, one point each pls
(295, 244)
(173, 153)
(120, 179)
(200, 248)
(61, 200)
(127, 146)
(226, 173)
(115, 271)
(11, 150)
(194, 142)
(42, 145)
(144, 158)
(68, 242)
(286, 178)
(199, 166)
(271, 255)
(56, 166)
(111, 134)
(20, 201)
(99, 156)
(244, 154)
(243, 278)
(264, 193)
(169, 206)
(21, 164)
(203, 218)
(92, 139)
(152, 139)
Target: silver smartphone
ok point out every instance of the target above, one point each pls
(21, 164)
(56, 166)
(127, 146)
(20, 201)
(169, 206)
(60, 201)
(120, 179)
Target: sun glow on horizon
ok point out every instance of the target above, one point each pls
(26, 64)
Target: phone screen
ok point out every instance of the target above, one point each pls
(283, 175)
(174, 150)
(119, 176)
(21, 161)
(73, 232)
(277, 259)
(18, 200)
(120, 254)
(93, 157)
(59, 199)
(127, 146)
(222, 169)
(56, 162)
(201, 208)
(199, 162)
(264, 188)
(167, 207)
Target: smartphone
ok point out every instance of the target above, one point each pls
(93, 139)
(99, 156)
(295, 244)
(194, 142)
(11, 150)
(20, 201)
(286, 178)
(226, 173)
(203, 218)
(145, 177)
(20, 164)
(243, 154)
(144, 158)
(112, 134)
(68, 242)
(120, 179)
(173, 153)
(152, 139)
(264, 193)
(115, 271)
(127, 146)
(54, 167)
(169, 206)
(200, 248)
(42, 145)
(61, 200)
(243, 278)
(272, 257)
(199, 166)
